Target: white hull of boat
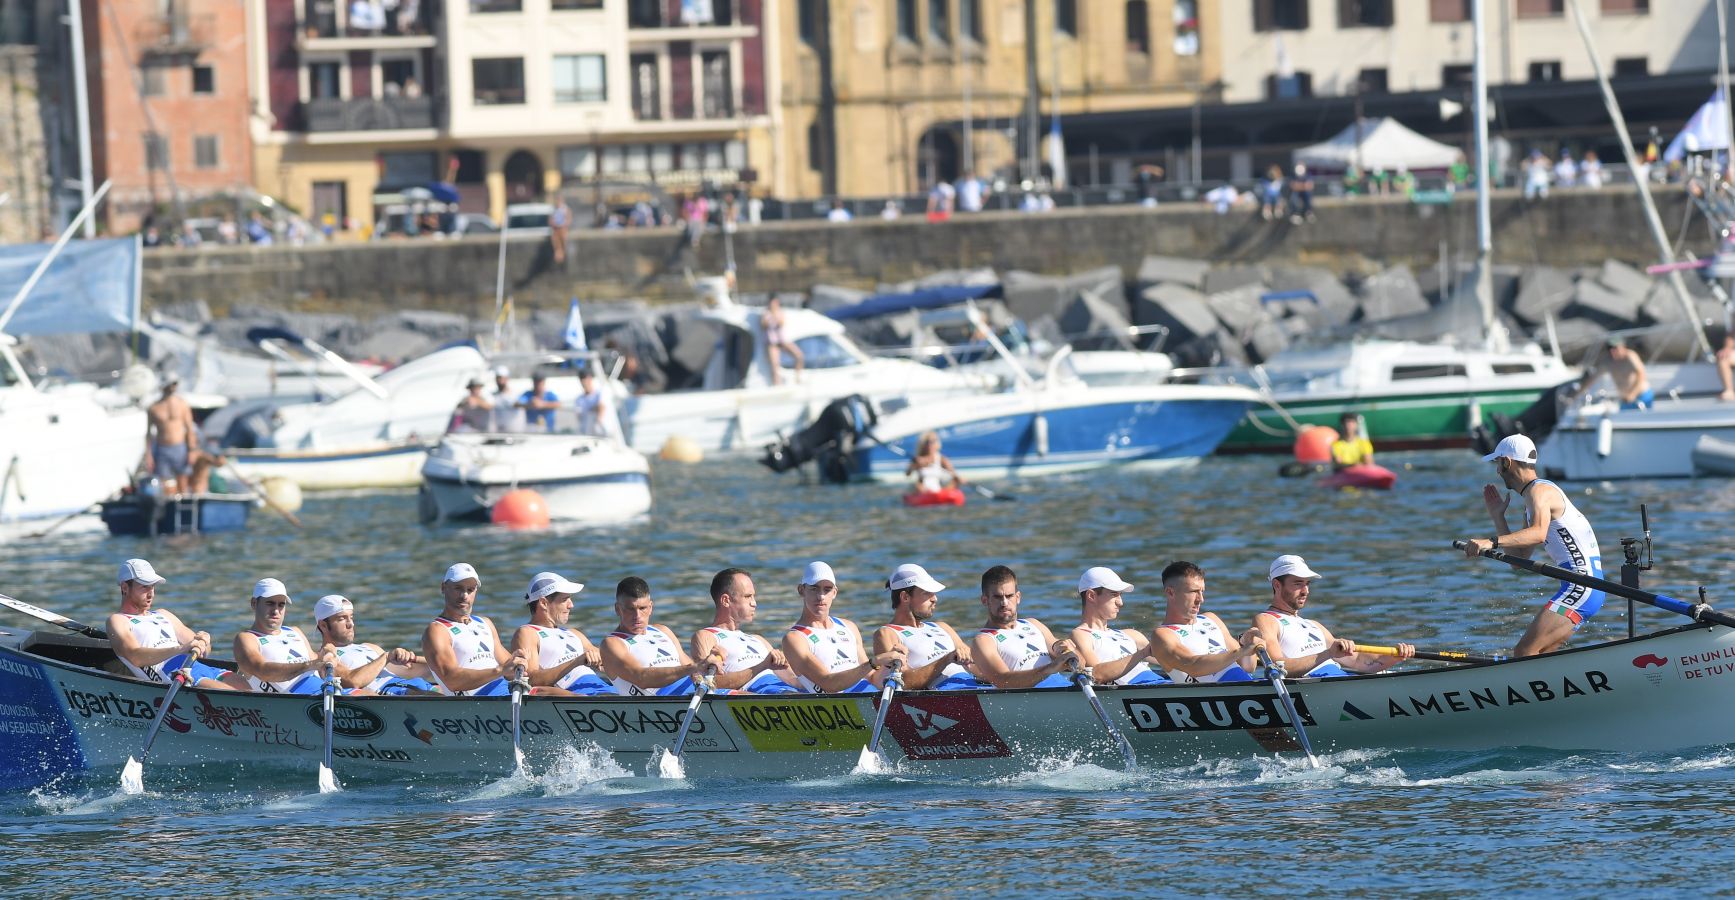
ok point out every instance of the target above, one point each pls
(1602, 442)
(372, 466)
(580, 478)
(61, 451)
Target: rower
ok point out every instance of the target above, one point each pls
(367, 668)
(153, 643)
(1352, 448)
(825, 652)
(1303, 645)
(1550, 522)
(558, 659)
(1194, 646)
(645, 659)
(1014, 652)
(1113, 655)
(935, 657)
(749, 662)
(464, 651)
(275, 657)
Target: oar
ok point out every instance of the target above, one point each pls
(1435, 655)
(1300, 469)
(328, 691)
(69, 517)
(1698, 612)
(869, 761)
(229, 466)
(1082, 678)
(30, 609)
(517, 687)
(132, 775)
(1276, 677)
(670, 765)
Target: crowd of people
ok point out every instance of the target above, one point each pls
(506, 411)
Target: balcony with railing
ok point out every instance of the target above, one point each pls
(672, 20)
(367, 24)
(333, 114)
(175, 34)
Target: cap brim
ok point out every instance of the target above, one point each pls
(149, 582)
(1492, 456)
(931, 586)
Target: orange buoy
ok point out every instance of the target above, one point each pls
(1313, 444)
(522, 508)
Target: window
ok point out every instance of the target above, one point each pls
(1448, 10)
(1514, 369)
(156, 151)
(577, 162)
(807, 13)
(814, 150)
(1138, 27)
(204, 80)
(1456, 75)
(329, 204)
(1186, 19)
(406, 169)
(497, 82)
(1541, 9)
(1436, 370)
(1626, 7)
(939, 21)
(719, 96)
(575, 4)
(322, 81)
(647, 90)
(1632, 67)
(205, 151)
(1545, 70)
(1278, 87)
(397, 76)
(580, 79)
(152, 78)
(970, 20)
(1279, 15)
(495, 6)
(1066, 17)
(1371, 81)
(821, 352)
(645, 14)
(1364, 13)
(907, 19)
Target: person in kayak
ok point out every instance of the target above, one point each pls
(644, 659)
(930, 466)
(749, 662)
(558, 659)
(1013, 651)
(1352, 448)
(367, 668)
(463, 650)
(152, 642)
(1194, 646)
(1301, 646)
(1552, 523)
(276, 658)
(826, 652)
(936, 657)
(1113, 655)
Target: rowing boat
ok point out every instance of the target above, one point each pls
(62, 712)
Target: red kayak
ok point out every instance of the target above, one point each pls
(1376, 477)
(948, 497)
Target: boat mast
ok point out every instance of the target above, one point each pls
(1723, 79)
(1666, 253)
(1493, 336)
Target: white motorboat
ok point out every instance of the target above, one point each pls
(580, 477)
(1600, 440)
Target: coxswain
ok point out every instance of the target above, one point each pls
(276, 658)
(749, 661)
(170, 439)
(934, 656)
(1194, 646)
(1013, 652)
(1352, 448)
(824, 651)
(152, 642)
(463, 650)
(1552, 523)
(367, 668)
(1625, 370)
(558, 658)
(1305, 647)
(1113, 655)
(930, 466)
(644, 659)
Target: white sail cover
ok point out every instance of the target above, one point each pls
(1708, 129)
(1385, 144)
(91, 287)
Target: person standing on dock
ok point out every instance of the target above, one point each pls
(152, 642)
(276, 658)
(1017, 652)
(826, 652)
(749, 662)
(463, 650)
(170, 438)
(645, 659)
(1552, 523)
(936, 658)
(1194, 646)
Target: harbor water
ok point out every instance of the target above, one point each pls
(1367, 823)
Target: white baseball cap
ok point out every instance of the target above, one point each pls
(270, 587)
(330, 605)
(502, 372)
(1290, 564)
(911, 575)
(1101, 577)
(545, 583)
(1514, 446)
(140, 571)
(460, 571)
(816, 572)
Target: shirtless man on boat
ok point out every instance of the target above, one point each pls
(276, 658)
(153, 643)
(935, 657)
(1112, 655)
(558, 659)
(1194, 646)
(1552, 523)
(1012, 651)
(1626, 370)
(367, 668)
(749, 661)
(645, 659)
(170, 437)
(826, 652)
(1302, 646)
(463, 650)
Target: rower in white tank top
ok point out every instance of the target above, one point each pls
(1110, 644)
(651, 650)
(288, 645)
(152, 631)
(1201, 637)
(354, 656)
(556, 647)
(833, 646)
(1022, 646)
(927, 642)
(473, 644)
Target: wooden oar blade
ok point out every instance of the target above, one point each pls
(132, 777)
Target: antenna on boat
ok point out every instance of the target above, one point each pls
(1631, 549)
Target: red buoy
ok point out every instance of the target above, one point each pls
(522, 508)
(1313, 444)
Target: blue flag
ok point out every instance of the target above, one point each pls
(575, 328)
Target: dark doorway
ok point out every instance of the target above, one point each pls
(523, 173)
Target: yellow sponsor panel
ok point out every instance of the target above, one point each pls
(800, 726)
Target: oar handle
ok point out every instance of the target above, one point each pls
(1435, 655)
(185, 673)
(1271, 668)
(1698, 612)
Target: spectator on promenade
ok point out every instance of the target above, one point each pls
(1458, 176)
(1271, 193)
(1536, 174)
(190, 236)
(972, 193)
(1223, 198)
(152, 237)
(730, 215)
(642, 216)
(559, 220)
(694, 212)
(1590, 171)
(1352, 180)
(1148, 176)
(257, 231)
(1404, 183)
(1030, 203)
(227, 231)
(940, 199)
(1046, 201)
(1300, 195)
(891, 211)
(1566, 171)
(838, 212)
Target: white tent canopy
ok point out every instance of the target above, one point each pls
(1385, 144)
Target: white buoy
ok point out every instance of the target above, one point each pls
(284, 493)
(680, 449)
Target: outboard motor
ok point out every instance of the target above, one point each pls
(829, 441)
(1536, 421)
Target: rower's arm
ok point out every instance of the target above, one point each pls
(620, 664)
(443, 662)
(360, 676)
(704, 643)
(1544, 506)
(993, 669)
(1294, 666)
(251, 662)
(526, 641)
(1104, 672)
(1171, 654)
(804, 664)
(121, 639)
(886, 640)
